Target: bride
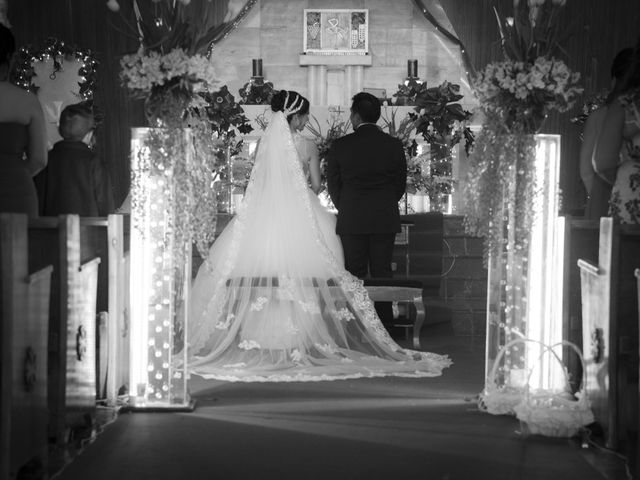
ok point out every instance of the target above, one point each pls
(273, 302)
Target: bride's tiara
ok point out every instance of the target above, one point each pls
(294, 107)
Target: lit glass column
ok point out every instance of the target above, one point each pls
(160, 271)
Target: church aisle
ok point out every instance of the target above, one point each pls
(360, 429)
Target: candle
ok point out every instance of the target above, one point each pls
(412, 68)
(257, 67)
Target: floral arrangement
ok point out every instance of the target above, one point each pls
(172, 73)
(166, 25)
(515, 96)
(167, 82)
(142, 73)
(170, 64)
(523, 93)
(407, 92)
(224, 114)
(337, 128)
(442, 122)
(256, 93)
(225, 119)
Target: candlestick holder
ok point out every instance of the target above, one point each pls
(257, 91)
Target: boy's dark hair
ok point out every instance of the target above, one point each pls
(367, 106)
(75, 122)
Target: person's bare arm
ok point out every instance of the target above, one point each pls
(314, 169)
(37, 148)
(590, 134)
(606, 153)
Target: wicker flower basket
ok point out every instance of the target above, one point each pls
(554, 414)
(502, 399)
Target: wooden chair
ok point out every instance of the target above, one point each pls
(610, 331)
(72, 320)
(23, 350)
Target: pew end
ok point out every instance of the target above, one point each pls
(610, 332)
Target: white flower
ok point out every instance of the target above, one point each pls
(326, 348)
(345, 314)
(141, 72)
(249, 345)
(258, 304)
(224, 325)
(296, 356)
(310, 307)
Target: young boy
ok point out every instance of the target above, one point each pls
(75, 180)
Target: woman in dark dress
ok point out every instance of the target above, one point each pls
(23, 150)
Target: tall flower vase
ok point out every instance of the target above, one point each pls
(524, 291)
(160, 268)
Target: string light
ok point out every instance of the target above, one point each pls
(23, 72)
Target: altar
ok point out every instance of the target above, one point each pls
(328, 55)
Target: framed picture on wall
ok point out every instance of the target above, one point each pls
(336, 31)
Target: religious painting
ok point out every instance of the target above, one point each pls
(336, 32)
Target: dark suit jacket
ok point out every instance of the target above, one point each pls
(366, 178)
(75, 181)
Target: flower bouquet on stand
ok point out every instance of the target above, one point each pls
(168, 83)
(512, 197)
(173, 172)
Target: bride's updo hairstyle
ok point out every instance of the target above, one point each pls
(290, 103)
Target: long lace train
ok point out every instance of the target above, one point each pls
(273, 302)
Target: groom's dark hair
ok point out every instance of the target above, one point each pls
(367, 106)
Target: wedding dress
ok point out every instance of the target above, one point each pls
(273, 302)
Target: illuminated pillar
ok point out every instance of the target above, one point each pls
(160, 271)
(524, 296)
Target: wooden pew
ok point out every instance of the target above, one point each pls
(610, 332)
(104, 238)
(72, 320)
(118, 331)
(23, 337)
(580, 240)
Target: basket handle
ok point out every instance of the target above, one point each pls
(576, 349)
(548, 348)
(496, 362)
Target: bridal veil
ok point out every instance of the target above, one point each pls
(273, 302)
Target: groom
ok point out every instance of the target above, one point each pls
(366, 177)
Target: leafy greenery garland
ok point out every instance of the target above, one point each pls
(192, 163)
(22, 73)
(500, 181)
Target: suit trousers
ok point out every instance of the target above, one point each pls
(370, 254)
